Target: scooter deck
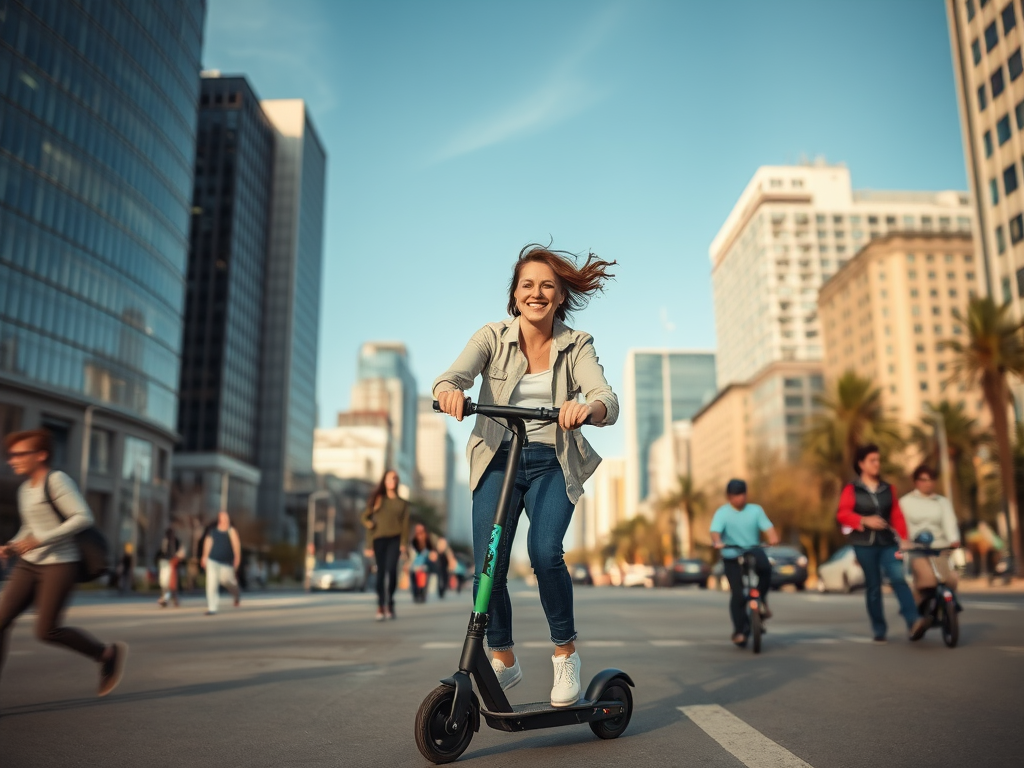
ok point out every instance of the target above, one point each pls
(540, 714)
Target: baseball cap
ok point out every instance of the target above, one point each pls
(735, 487)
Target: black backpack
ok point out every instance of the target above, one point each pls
(93, 550)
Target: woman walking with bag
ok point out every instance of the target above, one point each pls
(52, 511)
(387, 529)
(534, 360)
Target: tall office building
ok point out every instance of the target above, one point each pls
(386, 383)
(435, 459)
(219, 414)
(291, 317)
(790, 230)
(986, 39)
(886, 313)
(97, 137)
(603, 505)
(661, 386)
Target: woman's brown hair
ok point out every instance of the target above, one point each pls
(381, 490)
(40, 439)
(578, 283)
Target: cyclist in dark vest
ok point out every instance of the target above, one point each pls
(871, 518)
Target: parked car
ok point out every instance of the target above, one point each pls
(343, 574)
(789, 566)
(638, 576)
(690, 570)
(841, 572)
(580, 574)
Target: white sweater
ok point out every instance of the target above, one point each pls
(930, 513)
(57, 542)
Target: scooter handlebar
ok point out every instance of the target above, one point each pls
(508, 411)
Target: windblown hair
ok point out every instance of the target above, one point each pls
(381, 490)
(862, 453)
(40, 440)
(578, 283)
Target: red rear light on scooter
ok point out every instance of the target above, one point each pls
(755, 593)
(948, 597)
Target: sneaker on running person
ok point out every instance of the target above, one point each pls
(112, 667)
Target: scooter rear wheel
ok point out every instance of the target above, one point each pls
(617, 690)
(950, 626)
(432, 737)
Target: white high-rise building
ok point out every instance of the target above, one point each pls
(790, 230)
(435, 458)
(358, 448)
(603, 504)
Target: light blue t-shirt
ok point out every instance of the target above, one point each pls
(740, 527)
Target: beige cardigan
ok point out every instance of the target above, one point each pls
(494, 352)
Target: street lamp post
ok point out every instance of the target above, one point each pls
(310, 545)
(940, 434)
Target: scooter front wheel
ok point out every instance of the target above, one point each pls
(617, 690)
(435, 740)
(756, 629)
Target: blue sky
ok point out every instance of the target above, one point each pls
(458, 132)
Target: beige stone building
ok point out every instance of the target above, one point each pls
(986, 38)
(885, 314)
(720, 441)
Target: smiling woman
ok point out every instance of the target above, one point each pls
(534, 359)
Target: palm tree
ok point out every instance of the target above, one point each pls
(963, 439)
(849, 416)
(994, 349)
(686, 499)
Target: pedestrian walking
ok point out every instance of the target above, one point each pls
(52, 511)
(424, 559)
(533, 359)
(871, 519)
(387, 529)
(168, 558)
(126, 570)
(736, 528)
(222, 553)
(444, 566)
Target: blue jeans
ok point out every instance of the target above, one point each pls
(877, 561)
(540, 490)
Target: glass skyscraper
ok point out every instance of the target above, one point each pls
(97, 133)
(655, 379)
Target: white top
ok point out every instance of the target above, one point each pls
(930, 513)
(534, 391)
(56, 537)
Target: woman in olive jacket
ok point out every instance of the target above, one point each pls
(387, 529)
(534, 360)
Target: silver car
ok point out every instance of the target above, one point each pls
(345, 574)
(841, 572)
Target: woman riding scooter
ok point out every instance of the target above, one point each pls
(534, 360)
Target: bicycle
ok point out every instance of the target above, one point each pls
(752, 598)
(942, 607)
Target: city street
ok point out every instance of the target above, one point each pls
(312, 680)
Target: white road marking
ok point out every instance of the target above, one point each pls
(440, 646)
(602, 643)
(819, 640)
(670, 643)
(750, 747)
(993, 606)
(534, 644)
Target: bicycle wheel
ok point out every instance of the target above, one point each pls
(755, 629)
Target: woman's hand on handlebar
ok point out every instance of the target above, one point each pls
(452, 402)
(572, 414)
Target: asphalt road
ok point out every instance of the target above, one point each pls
(297, 680)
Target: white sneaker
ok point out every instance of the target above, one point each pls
(566, 690)
(507, 676)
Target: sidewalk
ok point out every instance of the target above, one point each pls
(982, 587)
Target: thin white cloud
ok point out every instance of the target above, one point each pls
(563, 94)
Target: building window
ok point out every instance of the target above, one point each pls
(1015, 65)
(991, 37)
(101, 444)
(1018, 111)
(922, 366)
(793, 383)
(1000, 239)
(970, 9)
(918, 328)
(1016, 229)
(1020, 282)
(1006, 289)
(976, 51)
(913, 293)
(1009, 19)
(1003, 129)
(998, 83)
(993, 190)
(915, 311)
(988, 142)
(920, 347)
(910, 258)
(982, 100)
(937, 311)
(1010, 179)
(923, 385)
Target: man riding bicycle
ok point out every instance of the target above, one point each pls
(735, 528)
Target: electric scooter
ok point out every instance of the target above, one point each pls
(451, 713)
(941, 607)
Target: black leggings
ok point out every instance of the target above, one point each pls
(386, 551)
(49, 587)
(738, 603)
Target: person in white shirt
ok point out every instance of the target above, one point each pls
(925, 510)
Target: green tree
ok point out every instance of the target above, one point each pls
(686, 501)
(993, 350)
(849, 416)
